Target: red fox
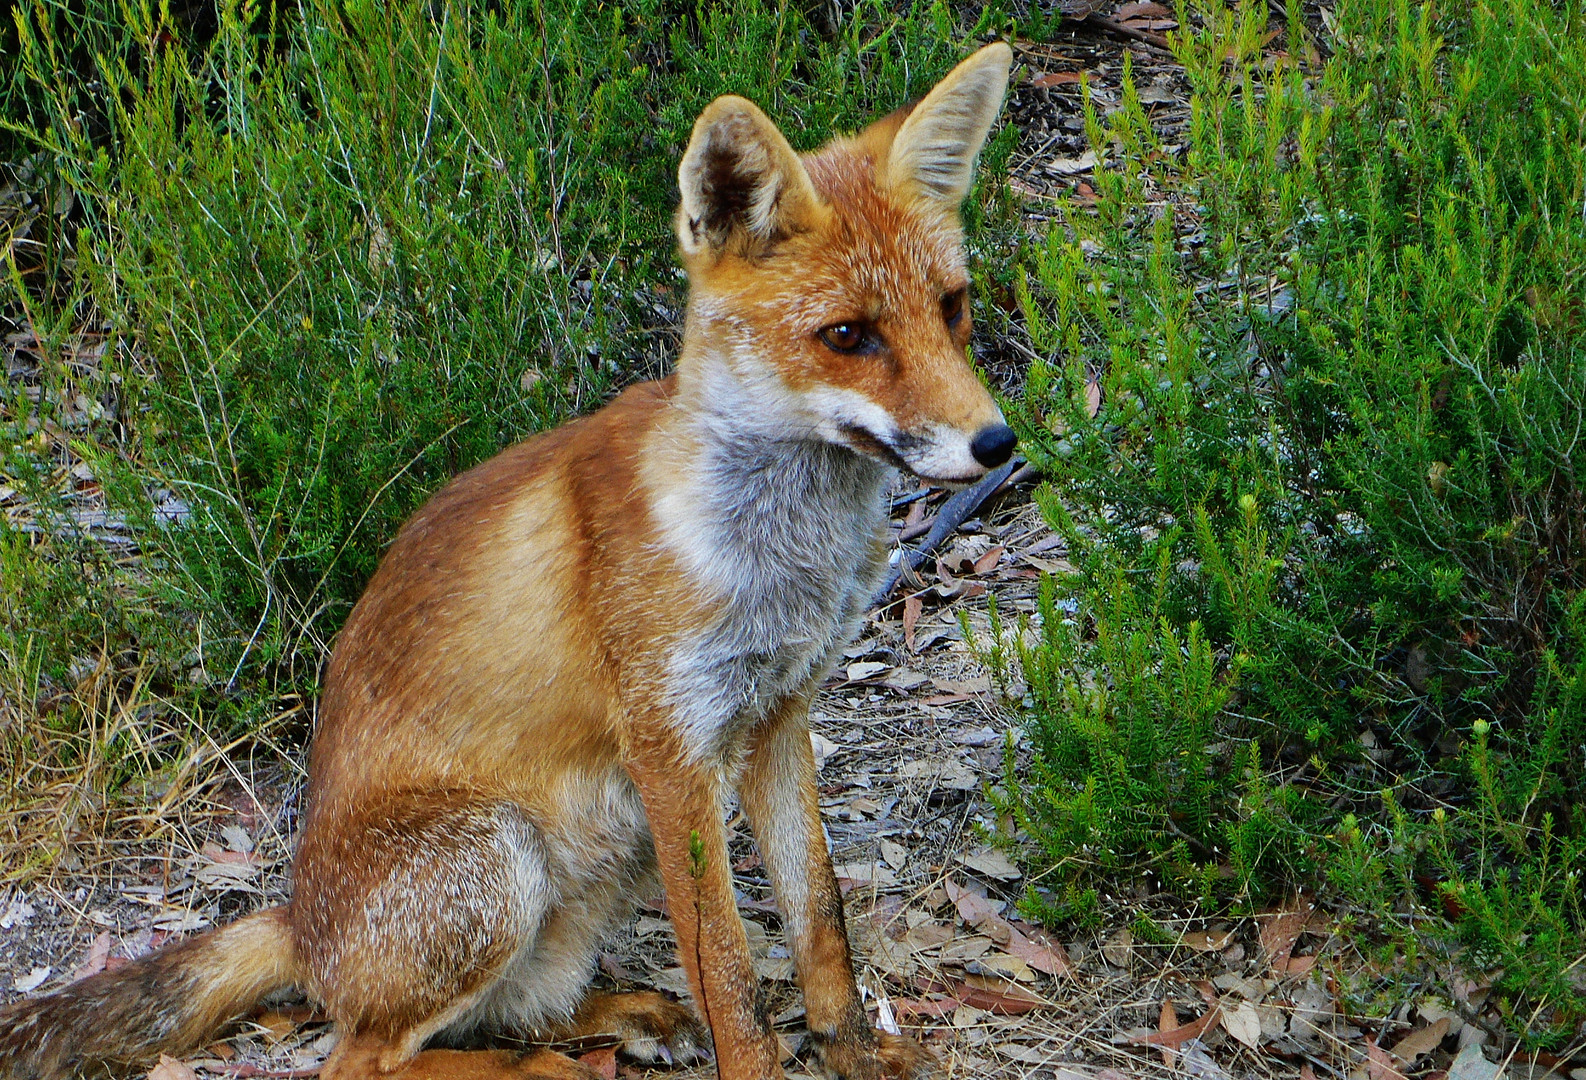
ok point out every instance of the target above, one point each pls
(575, 652)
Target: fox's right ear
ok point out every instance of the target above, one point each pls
(934, 149)
(741, 182)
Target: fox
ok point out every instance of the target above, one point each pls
(575, 655)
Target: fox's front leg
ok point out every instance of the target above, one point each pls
(682, 801)
(778, 792)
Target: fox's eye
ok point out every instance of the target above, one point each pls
(845, 337)
(953, 308)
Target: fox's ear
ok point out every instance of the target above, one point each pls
(933, 153)
(741, 182)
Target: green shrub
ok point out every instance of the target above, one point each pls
(359, 247)
(1330, 534)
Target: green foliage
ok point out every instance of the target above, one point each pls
(362, 247)
(1330, 537)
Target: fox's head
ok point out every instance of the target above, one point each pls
(829, 293)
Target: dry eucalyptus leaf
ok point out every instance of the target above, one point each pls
(32, 980)
(171, 1069)
(1471, 1064)
(1119, 949)
(992, 863)
(1066, 166)
(1420, 1042)
(966, 949)
(866, 873)
(1208, 941)
(866, 669)
(1001, 965)
(1244, 1024)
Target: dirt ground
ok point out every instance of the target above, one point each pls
(908, 736)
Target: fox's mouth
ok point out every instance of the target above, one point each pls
(895, 452)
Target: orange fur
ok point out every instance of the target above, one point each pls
(577, 651)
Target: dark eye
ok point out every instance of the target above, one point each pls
(845, 337)
(953, 307)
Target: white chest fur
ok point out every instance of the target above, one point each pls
(783, 536)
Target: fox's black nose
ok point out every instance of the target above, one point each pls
(993, 445)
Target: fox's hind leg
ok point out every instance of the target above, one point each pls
(405, 915)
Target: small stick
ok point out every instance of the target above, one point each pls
(954, 512)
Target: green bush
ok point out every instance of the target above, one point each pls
(356, 248)
(1330, 534)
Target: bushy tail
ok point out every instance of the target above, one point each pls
(170, 1001)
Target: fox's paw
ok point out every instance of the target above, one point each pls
(652, 1027)
(893, 1057)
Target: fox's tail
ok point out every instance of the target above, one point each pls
(169, 1001)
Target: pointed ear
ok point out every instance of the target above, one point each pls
(933, 154)
(742, 183)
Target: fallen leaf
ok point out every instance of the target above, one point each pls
(975, 909)
(1055, 78)
(1192, 1030)
(866, 873)
(1141, 9)
(894, 854)
(906, 1007)
(1167, 1022)
(996, 996)
(1207, 941)
(950, 773)
(1024, 1055)
(1419, 1042)
(905, 679)
(1039, 951)
(988, 562)
(992, 863)
(1280, 930)
(912, 607)
(98, 953)
(237, 838)
(866, 669)
(1071, 166)
(32, 980)
(1092, 398)
(1001, 965)
(673, 980)
(1299, 965)
(1379, 1063)
(822, 747)
(603, 1061)
(177, 921)
(1244, 1024)
(171, 1069)
(1119, 948)
(1197, 1063)
(277, 1026)
(1471, 1064)
(964, 949)
(928, 935)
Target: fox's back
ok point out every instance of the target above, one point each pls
(475, 655)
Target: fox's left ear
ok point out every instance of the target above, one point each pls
(933, 154)
(743, 186)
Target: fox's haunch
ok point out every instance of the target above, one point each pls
(167, 1002)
